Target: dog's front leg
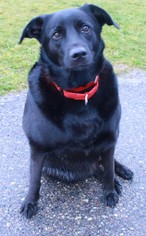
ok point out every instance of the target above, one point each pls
(112, 188)
(29, 206)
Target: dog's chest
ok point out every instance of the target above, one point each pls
(83, 128)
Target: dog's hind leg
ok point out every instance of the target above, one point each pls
(123, 171)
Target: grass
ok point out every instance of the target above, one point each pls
(124, 48)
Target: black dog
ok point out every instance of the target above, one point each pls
(72, 111)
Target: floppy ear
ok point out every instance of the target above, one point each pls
(101, 15)
(34, 29)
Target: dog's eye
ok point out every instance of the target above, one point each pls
(85, 29)
(57, 36)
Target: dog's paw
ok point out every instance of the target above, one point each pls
(28, 209)
(124, 172)
(111, 198)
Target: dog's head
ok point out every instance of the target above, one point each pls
(70, 38)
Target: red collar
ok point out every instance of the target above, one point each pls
(78, 94)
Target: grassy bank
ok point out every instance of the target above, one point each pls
(124, 47)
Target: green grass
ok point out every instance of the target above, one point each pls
(124, 48)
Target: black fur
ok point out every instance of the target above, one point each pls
(68, 139)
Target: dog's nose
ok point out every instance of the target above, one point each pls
(77, 53)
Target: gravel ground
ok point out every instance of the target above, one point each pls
(76, 209)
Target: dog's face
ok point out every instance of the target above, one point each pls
(70, 38)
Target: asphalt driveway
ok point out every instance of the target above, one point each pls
(76, 209)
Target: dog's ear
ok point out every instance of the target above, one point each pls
(101, 15)
(34, 28)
